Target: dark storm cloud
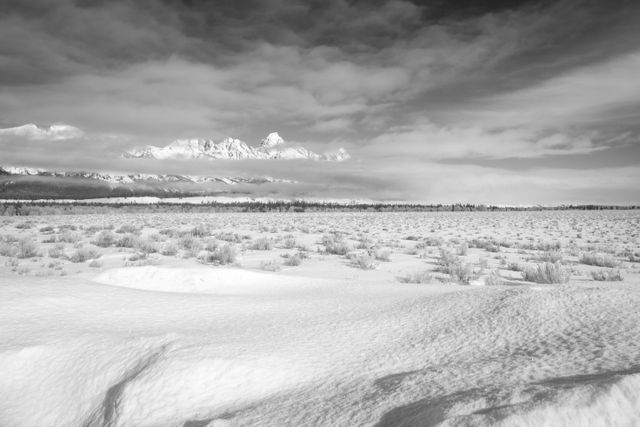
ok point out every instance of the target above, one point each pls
(404, 85)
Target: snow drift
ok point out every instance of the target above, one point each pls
(185, 349)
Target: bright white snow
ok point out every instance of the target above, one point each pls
(158, 346)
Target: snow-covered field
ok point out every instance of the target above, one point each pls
(320, 319)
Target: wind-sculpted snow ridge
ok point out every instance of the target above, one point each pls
(321, 353)
(271, 147)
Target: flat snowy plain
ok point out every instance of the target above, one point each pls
(131, 320)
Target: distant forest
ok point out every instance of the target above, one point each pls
(80, 208)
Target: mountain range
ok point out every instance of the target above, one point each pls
(33, 183)
(271, 147)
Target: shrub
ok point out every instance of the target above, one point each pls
(493, 279)
(104, 239)
(365, 242)
(170, 249)
(57, 251)
(95, 263)
(228, 237)
(128, 228)
(599, 260)
(433, 241)
(262, 244)
(84, 254)
(200, 230)
(127, 241)
(462, 249)
(514, 266)
(363, 261)
(607, 275)
(221, 255)
(546, 273)
(289, 241)
(146, 246)
(211, 245)
(7, 249)
(550, 256)
(293, 260)
(69, 236)
(335, 245)
(47, 229)
(27, 248)
(270, 265)
(454, 267)
(381, 255)
(422, 277)
(190, 243)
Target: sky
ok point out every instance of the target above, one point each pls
(441, 101)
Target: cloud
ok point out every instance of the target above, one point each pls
(581, 96)
(427, 140)
(54, 132)
(403, 85)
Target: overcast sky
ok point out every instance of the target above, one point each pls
(490, 101)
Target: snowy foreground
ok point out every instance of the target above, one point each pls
(202, 346)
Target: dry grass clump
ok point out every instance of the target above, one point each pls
(262, 244)
(334, 244)
(607, 276)
(547, 272)
(599, 260)
(84, 254)
(422, 277)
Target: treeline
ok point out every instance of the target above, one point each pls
(80, 208)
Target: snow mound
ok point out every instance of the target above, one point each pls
(281, 353)
(220, 281)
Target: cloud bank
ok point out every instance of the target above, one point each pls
(407, 87)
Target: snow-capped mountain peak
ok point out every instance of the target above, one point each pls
(272, 140)
(271, 147)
